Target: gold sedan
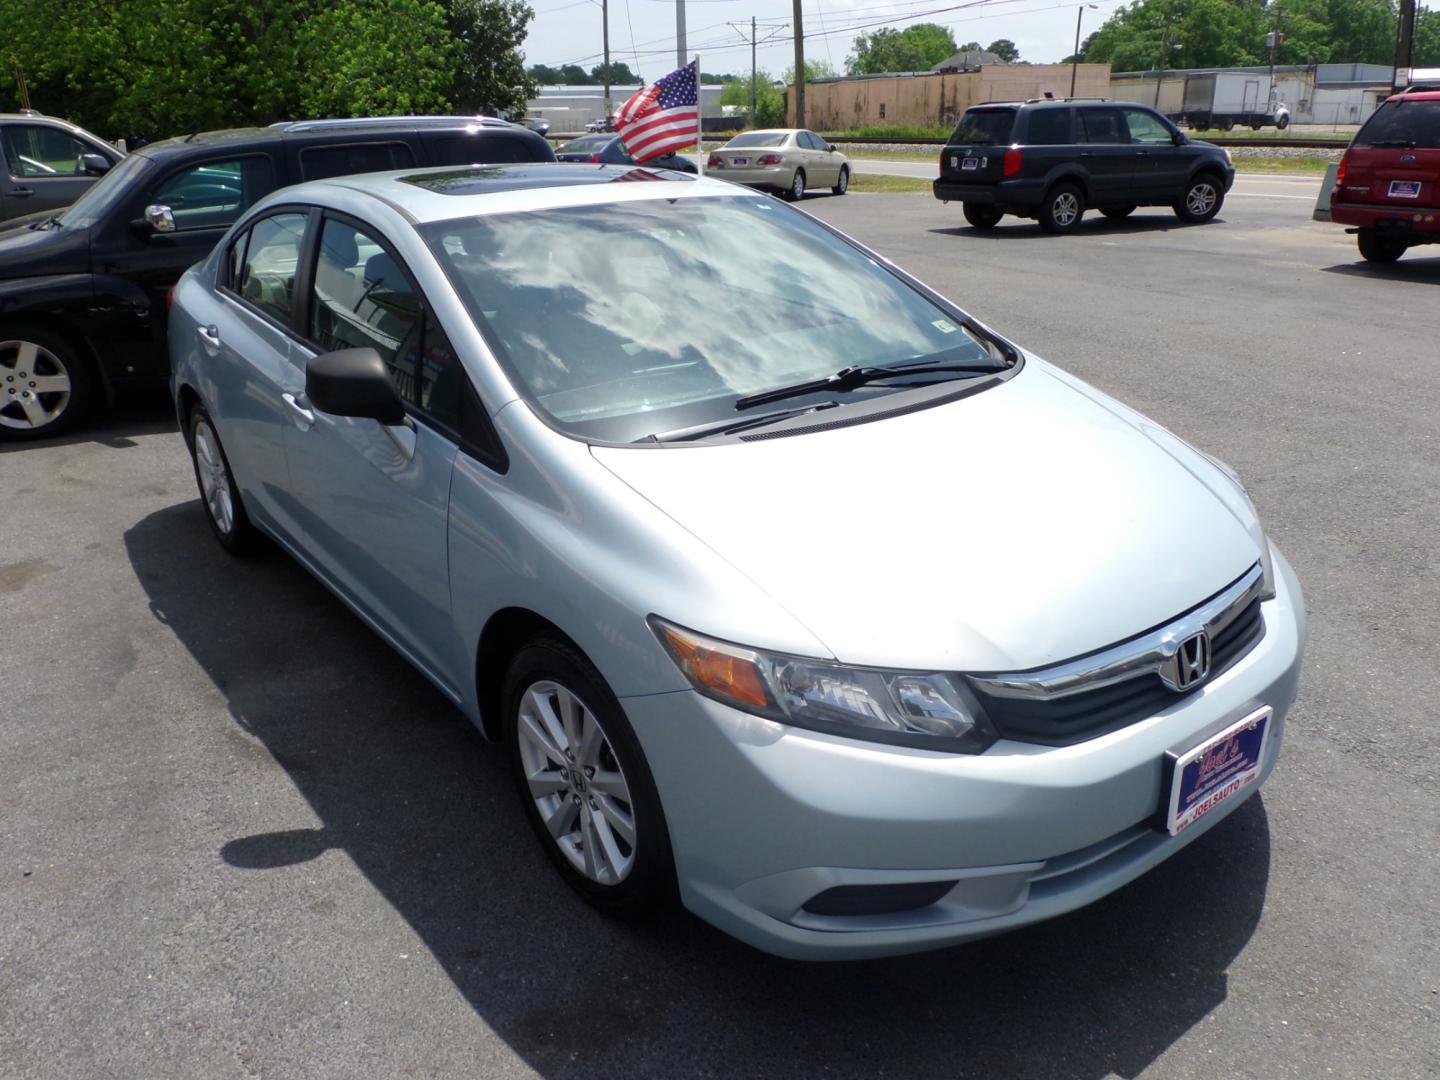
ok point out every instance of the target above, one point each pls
(788, 160)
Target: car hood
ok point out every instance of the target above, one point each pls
(1028, 524)
(31, 252)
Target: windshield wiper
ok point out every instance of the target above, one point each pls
(52, 222)
(849, 378)
(729, 427)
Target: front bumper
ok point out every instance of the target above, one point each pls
(765, 817)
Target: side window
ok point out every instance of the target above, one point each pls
(1146, 128)
(1049, 127)
(35, 151)
(487, 149)
(214, 194)
(235, 260)
(442, 378)
(1104, 126)
(319, 162)
(809, 141)
(267, 269)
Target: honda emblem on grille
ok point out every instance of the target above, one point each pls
(1190, 666)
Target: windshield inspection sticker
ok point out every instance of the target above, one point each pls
(945, 326)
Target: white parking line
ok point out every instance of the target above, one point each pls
(1262, 195)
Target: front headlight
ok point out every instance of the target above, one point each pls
(931, 710)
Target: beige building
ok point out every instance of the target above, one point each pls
(937, 99)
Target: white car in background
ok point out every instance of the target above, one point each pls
(787, 160)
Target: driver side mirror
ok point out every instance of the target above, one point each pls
(160, 219)
(353, 382)
(94, 164)
(1179, 138)
(830, 147)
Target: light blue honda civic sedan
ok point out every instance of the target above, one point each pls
(789, 588)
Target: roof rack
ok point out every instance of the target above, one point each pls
(1041, 100)
(1421, 88)
(388, 121)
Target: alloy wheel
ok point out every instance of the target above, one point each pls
(797, 186)
(1201, 198)
(214, 478)
(34, 386)
(576, 782)
(1065, 209)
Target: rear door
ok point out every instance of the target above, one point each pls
(1108, 156)
(42, 168)
(1394, 161)
(975, 153)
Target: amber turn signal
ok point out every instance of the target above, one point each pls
(726, 672)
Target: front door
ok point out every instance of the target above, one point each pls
(1161, 167)
(42, 168)
(205, 199)
(1108, 156)
(374, 499)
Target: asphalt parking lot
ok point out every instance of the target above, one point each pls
(239, 836)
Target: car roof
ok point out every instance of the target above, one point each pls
(1416, 95)
(322, 131)
(443, 194)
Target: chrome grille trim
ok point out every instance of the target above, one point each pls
(1144, 655)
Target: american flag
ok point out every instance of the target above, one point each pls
(662, 117)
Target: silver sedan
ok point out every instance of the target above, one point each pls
(787, 160)
(832, 612)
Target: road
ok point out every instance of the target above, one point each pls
(240, 837)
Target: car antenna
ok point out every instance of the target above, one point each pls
(190, 136)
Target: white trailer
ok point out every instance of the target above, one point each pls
(1223, 99)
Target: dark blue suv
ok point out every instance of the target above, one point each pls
(1054, 159)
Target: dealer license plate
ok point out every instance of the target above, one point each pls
(737, 162)
(1405, 189)
(1217, 771)
(970, 163)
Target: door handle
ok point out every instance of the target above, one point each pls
(209, 337)
(22, 192)
(1087, 153)
(303, 417)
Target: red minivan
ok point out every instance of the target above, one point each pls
(1388, 184)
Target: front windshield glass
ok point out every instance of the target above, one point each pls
(759, 138)
(638, 317)
(105, 193)
(984, 127)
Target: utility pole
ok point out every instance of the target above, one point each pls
(800, 67)
(1075, 56)
(681, 53)
(754, 91)
(605, 34)
(1404, 44)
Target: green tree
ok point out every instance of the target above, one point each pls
(620, 74)
(1427, 38)
(575, 75)
(1005, 49)
(916, 48)
(769, 101)
(814, 69)
(490, 75)
(545, 75)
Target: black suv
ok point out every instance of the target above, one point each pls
(82, 294)
(1054, 159)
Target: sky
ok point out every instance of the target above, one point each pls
(642, 32)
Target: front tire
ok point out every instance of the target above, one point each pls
(584, 781)
(797, 186)
(981, 216)
(1202, 200)
(842, 185)
(1062, 209)
(1379, 249)
(219, 494)
(45, 385)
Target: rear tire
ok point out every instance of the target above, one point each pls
(842, 185)
(45, 384)
(1117, 213)
(1202, 200)
(583, 779)
(1379, 249)
(1062, 209)
(981, 216)
(219, 494)
(797, 186)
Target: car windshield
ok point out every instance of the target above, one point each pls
(984, 127)
(587, 144)
(1403, 123)
(758, 138)
(104, 193)
(621, 321)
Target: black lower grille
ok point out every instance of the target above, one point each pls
(1073, 718)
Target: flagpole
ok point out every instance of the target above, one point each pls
(699, 121)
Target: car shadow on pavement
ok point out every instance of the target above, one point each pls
(425, 809)
(137, 412)
(1411, 268)
(1092, 225)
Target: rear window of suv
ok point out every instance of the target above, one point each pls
(984, 127)
(1402, 123)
